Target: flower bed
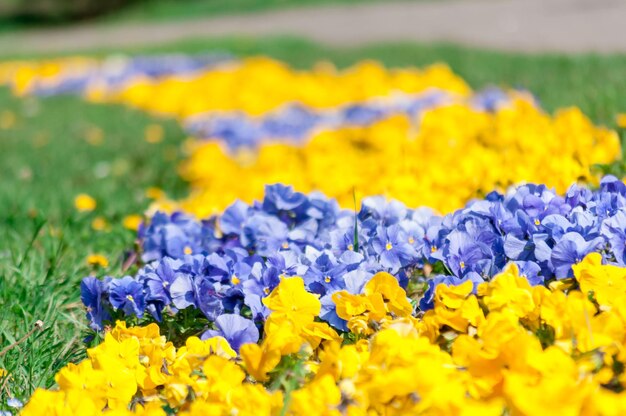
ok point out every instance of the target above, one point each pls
(457, 286)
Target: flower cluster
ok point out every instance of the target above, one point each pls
(257, 86)
(137, 371)
(229, 263)
(451, 154)
(510, 348)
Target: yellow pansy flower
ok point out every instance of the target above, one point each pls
(290, 299)
(607, 283)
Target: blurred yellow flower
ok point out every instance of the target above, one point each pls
(132, 222)
(94, 136)
(84, 203)
(97, 260)
(7, 119)
(620, 119)
(154, 133)
(99, 224)
(155, 193)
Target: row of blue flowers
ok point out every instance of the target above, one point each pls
(227, 264)
(120, 71)
(295, 123)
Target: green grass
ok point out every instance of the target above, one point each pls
(45, 161)
(176, 9)
(44, 242)
(167, 10)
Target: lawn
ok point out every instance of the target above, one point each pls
(167, 10)
(172, 9)
(55, 148)
(46, 161)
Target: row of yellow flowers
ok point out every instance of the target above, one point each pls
(508, 349)
(254, 85)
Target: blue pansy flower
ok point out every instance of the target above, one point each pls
(614, 231)
(393, 247)
(94, 295)
(571, 249)
(464, 254)
(236, 329)
(325, 274)
(127, 295)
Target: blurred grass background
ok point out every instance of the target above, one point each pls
(175, 9)
(49, 154)
(22, 14)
